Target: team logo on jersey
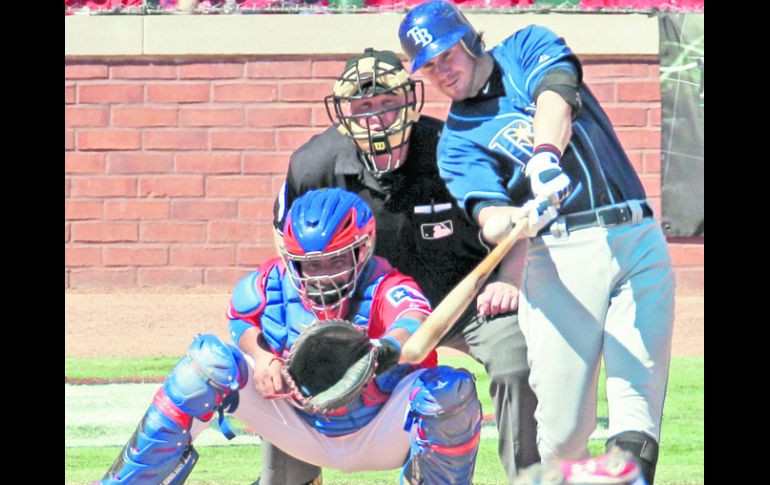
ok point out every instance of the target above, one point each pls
(515, 140)
(437, 230)
(420, 35)
(399, 294)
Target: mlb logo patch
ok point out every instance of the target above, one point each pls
(437, 230)
(399, 294)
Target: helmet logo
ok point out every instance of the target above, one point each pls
(421, 36)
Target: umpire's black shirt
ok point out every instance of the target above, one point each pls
(420, 229)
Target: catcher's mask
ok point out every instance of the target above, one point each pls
(327, 229)
(380, 127)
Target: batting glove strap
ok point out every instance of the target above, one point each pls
(546, 177)
(540, 212)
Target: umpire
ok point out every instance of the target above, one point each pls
(382, 149)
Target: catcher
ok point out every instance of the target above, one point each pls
(299, 401)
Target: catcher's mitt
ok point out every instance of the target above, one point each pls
(328, 366)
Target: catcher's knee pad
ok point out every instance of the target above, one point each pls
(205, 380)
(642, 446)
(444, 424)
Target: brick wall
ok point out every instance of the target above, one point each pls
(171, 166)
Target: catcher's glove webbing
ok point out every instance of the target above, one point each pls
(328, 366)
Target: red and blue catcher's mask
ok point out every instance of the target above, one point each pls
(328, 238)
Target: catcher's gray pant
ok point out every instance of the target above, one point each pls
(598, 291)
(497, 343)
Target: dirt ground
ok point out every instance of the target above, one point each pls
(103, 322)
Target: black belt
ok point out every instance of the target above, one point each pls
(606, 216)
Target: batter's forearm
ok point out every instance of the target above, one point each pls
(553, 121)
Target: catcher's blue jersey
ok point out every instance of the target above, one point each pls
(487, 142)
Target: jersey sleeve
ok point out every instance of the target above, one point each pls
(538, 50)
(469, 172)
(396, 295)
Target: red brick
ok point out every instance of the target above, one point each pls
(139, 162)
(278, 116)
(69, 94)
(77, 162)
(627, 116)
(210, 70)
(592, 71)
(631, 139)
(439, 111)
(102, 277)
(208, 162)
(320, 117)
(224, 276)
(135, 256)
(278, 69)
(110, 93)
(211, 117)
(603, 92)
(104, 187)
(232, 231)
(690, 281)
(655, 71)
(277, 182)
(85, 71)
(69, 139)
(652, 162)
(66, 232)
(67, 186)
(178, 92)
(256, 209)
(310, 91)
(686, 254)
(84, 116)
(140, 117)
(143, 71)
(243, 140)
(172, 232)
(635, 157)
(245, 92)
(169, 276)
(135, 209)
(654, 117)
(292, 139)
(188, 186)
(77, 210)
(328, 69)
(255, 255)
(204, 210)
(238, 186)
(202, 256)
(82, 256)
(266, 162)
(109, 139)
(641, 91)
(104, 232)
(651, 184)
(171, 139)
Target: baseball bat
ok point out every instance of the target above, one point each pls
(451, 308)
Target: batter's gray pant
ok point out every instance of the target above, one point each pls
(498, 344)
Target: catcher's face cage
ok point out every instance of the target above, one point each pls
(370, 78)
(327, 295)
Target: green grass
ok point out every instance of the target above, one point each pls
(681, 454)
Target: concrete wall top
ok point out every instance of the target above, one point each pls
(303, 35)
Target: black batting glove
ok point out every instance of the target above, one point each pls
(388, 353)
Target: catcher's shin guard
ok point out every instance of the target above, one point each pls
(205, 380)
(642, 446)
(444, 424)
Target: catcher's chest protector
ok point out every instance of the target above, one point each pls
(285, 316)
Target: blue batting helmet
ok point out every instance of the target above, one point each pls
(433, 27)
(324, 224)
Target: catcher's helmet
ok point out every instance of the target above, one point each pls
(366, 76)
(433, 27)
(324, 224)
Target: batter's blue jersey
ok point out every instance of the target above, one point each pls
(487, 142)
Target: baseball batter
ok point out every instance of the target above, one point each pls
(524, 133)
(425, 419)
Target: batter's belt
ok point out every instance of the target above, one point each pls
(605, 216)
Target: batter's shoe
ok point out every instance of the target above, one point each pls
(614, 468)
